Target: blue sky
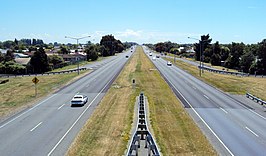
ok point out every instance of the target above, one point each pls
(142, 21)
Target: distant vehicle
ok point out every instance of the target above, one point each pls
(150, 54)
(126, 56)
(79, 99)
(157, 56)
(169, 63)
(154, 58)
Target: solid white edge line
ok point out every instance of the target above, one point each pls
(60, 106)
(26, 111)
(78, 119)
(203, 121)
(258, 114)
(223, 110)
(252, 132)
(36, 126)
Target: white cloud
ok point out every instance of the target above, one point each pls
(252, 7)
(129, 33)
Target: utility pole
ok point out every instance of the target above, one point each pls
(201, 52)
(77, 38)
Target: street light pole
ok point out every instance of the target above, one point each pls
(77, 38)
(200, 59)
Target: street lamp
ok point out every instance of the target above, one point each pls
(77, 38)
(201, 48)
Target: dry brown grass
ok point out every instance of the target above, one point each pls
(19, 92)
(107, 131)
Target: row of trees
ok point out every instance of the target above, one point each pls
(249, 58)
(40, 62)
(21, 44)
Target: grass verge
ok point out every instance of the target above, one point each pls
(228, 83)
(108, 130)
(19, 92)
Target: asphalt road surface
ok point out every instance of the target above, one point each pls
(49, 127)
(232, 127)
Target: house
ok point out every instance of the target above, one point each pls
(22, 61)
(20, 55)
(190, 50)
(3, 51)
(74, 57)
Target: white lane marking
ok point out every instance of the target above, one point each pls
(26, 112)
(257, 114)
(60, 106)
(36, 126)
(252, 132)
(206, 97)
(223, 110)
(78, 119)
(204, 121)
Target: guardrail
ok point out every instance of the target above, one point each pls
(48, 73)
(142, 137)
(256, 99)
(223, 71)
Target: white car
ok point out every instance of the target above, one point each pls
(154, 58)
(79, 99)
(169, 63)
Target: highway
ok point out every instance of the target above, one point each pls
(50, 126)
(232, 127)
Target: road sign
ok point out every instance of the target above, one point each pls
(35, 80)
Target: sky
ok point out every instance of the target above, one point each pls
(141, 21)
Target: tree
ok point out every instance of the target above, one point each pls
(8, 44)
(92, 53)
(12, 67)
(108, 42)
(111, 45)
(203, 44)
(160, 47)
(2, 57)
(55, 60)
(9, 56)
(34, 41)
(246, 61)
(236, 51)
(216, 55)
(175, 51)
(224, 53)
(262, 57)
(39, 61)
(64, 50)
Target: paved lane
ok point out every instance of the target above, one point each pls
(49, 127)
(232, 127)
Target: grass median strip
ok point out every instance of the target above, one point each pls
(108, 130)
